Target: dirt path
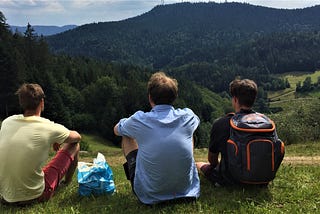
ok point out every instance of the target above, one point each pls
(305, 160)
(287, 100)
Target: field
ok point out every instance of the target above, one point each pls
(296, 189)
(288, 95)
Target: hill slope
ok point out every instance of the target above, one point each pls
(43, 30)
(169, 33)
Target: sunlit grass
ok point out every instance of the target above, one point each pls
(293, 78)
(295, 190)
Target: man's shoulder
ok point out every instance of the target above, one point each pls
(222, 123)
(12, 117)
(185, 111)
(188, 113)
(49, 123)
(224, 119)
(42, 120)
(139, 114)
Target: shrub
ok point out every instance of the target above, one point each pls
(84, 146)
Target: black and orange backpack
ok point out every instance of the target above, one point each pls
(254, 151)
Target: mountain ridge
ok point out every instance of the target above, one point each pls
(208, 43)
(234, 11)
(45, 30)
(168, 31)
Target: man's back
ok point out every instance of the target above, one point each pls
(24, 147)
(165, 166)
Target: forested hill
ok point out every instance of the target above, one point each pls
(43, 30)
(85, 94)
(175, 34)
(240, 17)
(91, 95)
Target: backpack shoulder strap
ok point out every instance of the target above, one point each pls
(230, 114)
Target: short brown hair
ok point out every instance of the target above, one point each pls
(162, 89)
(245, 90)
(30, 96)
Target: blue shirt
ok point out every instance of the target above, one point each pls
(165, 167)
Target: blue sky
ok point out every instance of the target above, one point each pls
(79, 12)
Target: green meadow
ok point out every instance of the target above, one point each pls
(288, 95)
(296, 189)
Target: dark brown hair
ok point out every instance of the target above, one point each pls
(162, 89)
(245, 90)
(30, 96)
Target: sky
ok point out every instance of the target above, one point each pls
(79, 12)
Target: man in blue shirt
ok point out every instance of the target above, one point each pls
(158, 146)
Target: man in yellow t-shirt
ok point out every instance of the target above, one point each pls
(25, 141)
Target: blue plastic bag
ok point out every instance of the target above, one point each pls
(95, 178)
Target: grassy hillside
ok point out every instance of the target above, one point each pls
(293, 190)
(289, 93)
(296, 114)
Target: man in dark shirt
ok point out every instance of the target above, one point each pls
(243, 95)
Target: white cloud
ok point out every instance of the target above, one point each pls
(61, 12)
(35, 6)
(285, 3)
(21, 3)
(54, 6)
(85, 3)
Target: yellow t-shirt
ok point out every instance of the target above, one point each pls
(24, 149)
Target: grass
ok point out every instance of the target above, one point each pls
(293, 78)
(295, 190)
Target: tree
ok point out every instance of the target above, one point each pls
(298, 86)
(4, 27)
(9, 74)
(103, 101)
(29, 33)
(287, 83)
(307, 84)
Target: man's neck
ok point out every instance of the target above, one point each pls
(29, 113)
(239, 108)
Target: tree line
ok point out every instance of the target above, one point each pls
(87, 94)
(307, 85)
(91, 95)
(210, 43)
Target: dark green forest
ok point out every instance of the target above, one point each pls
(97, 73)
(217, 41)
(86, 94)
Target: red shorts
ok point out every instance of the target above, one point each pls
(53, 173)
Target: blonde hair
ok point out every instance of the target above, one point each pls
(162, 89)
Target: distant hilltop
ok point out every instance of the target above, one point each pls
(43, 30)
(175, 35)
